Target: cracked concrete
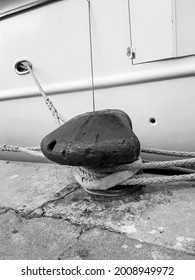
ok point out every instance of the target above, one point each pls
(44, 214)
(102, 244)
(45, 184)
(158, 214)
(42, 238)
(49, 239)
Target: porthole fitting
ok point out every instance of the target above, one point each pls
(21, 68)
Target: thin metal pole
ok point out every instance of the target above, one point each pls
(174, 27)
(129, 18)
(130, 29)
(91, 54)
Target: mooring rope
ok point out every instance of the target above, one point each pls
(168, 153)
(126, 174)
(33, 151)
(94, 180)
(103, 178)
(57, 116)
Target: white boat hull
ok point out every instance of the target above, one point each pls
(158, 96)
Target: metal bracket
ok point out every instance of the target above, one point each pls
(131, 52)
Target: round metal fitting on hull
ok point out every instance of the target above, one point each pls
(20, 67)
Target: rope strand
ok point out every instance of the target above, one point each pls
(57, 116)
(104, 178)
(167, 153)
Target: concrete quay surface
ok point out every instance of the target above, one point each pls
(45, 214)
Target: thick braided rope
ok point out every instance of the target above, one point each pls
(33, 151)
(105, 178)
(167, 153)
(147, 165)
(101, 172)
(57, 116)
(120, 178)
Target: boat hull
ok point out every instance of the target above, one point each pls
(158, 96)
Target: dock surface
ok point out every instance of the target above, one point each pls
(45, 214)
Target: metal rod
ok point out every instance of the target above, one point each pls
(91, 54)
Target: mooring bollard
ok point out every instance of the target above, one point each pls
(95, 139)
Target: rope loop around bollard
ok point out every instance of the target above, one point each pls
(127, 177)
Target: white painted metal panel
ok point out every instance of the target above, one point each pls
(56, 39)
(151, 27)
(185, 17)
(53, 37)
(170, 102)
(110, 35)
(10, 7)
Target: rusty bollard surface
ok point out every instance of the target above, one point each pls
(101, 138)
